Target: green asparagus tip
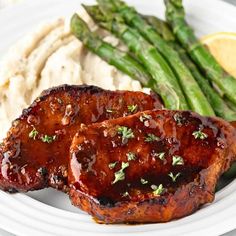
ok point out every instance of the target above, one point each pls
(177, 3)
(95, 12)
(86, 6)
(78, 27)
(112, 5)
(176, 7)
(107, 5)
(91, 10)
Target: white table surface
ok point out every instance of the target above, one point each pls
(6, 3)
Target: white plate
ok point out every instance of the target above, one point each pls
(48, 212)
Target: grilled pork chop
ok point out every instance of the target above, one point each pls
(35, 153)
(153, 166)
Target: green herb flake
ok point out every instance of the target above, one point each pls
(151, 138)
(145, 117)
(33, 134)
(132, 108)
(157, 191)
(199, 135)
(131, 156)
(143, 181)
(177, 161)
(178, 118)
(120, 175)
(160, 155)
(42, 171)
(112, 165)
(174, 177)
(48, 139)
(126, 133)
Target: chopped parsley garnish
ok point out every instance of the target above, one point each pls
(112, 165)
(132, 108)
(145, 117)
(120, 175)
(174, 177)
(48, 139)
(160, 155)
(178, 118)
(33, 134)
(157, 191)
(126, 133)
(143, 181)
(199, 135)
(177, 161)
(151, 138)
(42, 171)
(131, 156)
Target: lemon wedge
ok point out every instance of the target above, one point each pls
(223, 47)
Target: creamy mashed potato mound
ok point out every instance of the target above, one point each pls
(49, 56)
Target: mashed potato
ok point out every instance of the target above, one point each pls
(51, 56)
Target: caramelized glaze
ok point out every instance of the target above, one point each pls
(35, 152)
(197, 150)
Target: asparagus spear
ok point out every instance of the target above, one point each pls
(195, 97)
(161, 27)
(168, 86)
(218, 104)
(231, 105)
(107, 52)
(231, 173)
(201, 56)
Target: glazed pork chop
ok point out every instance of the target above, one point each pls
(35, 153)
(153, 166)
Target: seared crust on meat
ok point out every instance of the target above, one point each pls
(35, 153)
(153, 166)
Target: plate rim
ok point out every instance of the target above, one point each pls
(227, 194)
